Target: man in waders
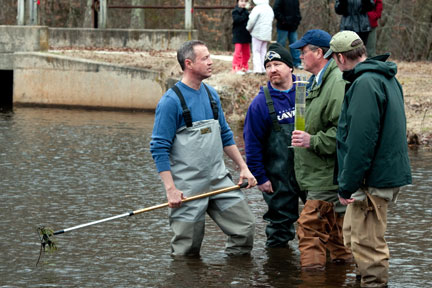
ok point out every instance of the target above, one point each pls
(267, 134)
(189, 137)
(372, 152)
(320, 222)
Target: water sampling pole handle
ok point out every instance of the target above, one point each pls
(204, 195)
(200, 196)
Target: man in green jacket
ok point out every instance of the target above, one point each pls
(372, 153)
(320, 222)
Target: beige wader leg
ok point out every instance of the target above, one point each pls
(364, 228)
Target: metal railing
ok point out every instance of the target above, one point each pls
(100, 11)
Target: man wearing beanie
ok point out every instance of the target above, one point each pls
(372, 152)
(320, 222)
(267, 134)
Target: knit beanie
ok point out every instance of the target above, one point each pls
(277, 52)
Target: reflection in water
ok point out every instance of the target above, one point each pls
(62, 168)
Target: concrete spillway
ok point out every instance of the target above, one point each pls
(42, 78)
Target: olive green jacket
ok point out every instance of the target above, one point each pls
(314, 166)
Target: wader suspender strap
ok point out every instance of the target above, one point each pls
(212, 103)
(269, 102)
(186, 112)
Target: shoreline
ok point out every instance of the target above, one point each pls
(237, 91)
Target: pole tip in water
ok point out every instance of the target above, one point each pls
(46, 239)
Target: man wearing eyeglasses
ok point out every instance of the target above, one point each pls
(267, 134)
(320, 222)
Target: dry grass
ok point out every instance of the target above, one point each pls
(417, 86)
(237, 91)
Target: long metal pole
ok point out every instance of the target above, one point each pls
(204, 195)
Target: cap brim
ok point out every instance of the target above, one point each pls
(328, 54)
(298, 44)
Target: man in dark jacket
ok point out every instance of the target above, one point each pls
(287, 14)
(354, 16)
(372, 152)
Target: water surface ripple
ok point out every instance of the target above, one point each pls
(61, 168)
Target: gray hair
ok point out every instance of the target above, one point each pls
(186, 51)
(313, 48)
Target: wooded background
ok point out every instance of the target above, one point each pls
(405, 28)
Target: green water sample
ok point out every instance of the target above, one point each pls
(299, 122)
(300, 106)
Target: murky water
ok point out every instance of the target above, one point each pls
(61, 168)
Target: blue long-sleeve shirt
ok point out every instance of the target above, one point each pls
(258, 125)
(169, 118)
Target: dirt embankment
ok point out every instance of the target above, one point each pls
(237, 91)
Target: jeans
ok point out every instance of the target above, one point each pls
(282, 36)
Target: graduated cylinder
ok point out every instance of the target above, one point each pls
(300, 103)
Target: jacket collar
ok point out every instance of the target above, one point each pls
(313, 84)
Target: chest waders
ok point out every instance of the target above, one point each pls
(197, 166)
(279, 166)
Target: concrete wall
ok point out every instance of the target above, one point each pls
(6, 61)
(20, 38)
(43, 78)
(48, 79)
(23, 38)
(143, 39)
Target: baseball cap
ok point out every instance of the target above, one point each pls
(343, 41)
(314, 37)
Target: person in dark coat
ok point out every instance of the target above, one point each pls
(354, 16)
(241, 38)
(288, 17)
(372, 153)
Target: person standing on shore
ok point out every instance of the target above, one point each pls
(190, 136)
(372, 153)
(354, 16)
(260, 27)
(288, 17)
(374, 16)
(241, 38)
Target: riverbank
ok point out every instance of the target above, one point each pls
(237, 91)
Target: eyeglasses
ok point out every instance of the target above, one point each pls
(304, 51)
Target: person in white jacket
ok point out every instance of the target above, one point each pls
(260, 27)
